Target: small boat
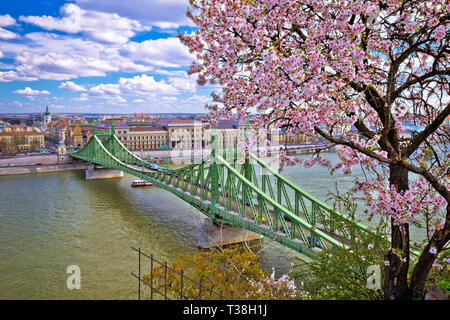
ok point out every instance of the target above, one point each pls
(140, 183)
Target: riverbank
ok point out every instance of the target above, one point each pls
(39, 164)
(28, 169)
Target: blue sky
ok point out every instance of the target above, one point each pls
(99, 56)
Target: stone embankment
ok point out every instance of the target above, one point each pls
(39, 164)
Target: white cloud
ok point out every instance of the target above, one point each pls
(184, 84)
(6, 20)
(18, 103)
(199, 99)
(57, 66)
(137, 87)
(145, 84)
(169, 53)
(99, 26)
(105, 89)
(71, 86)
(116, 100)
(7, 76)
(29, 91)
(161, 13)
(7, 35)
(94, 40)
(62, 57)
(141, 85)
(83, 97)
(169, 99)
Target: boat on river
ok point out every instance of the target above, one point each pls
(141, 183)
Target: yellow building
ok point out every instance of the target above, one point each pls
(143, 138)
(280, 137)
(185, 134)
(18, 138)
(77, 137)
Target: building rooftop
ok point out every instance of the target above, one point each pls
(20, 133)
(175, 122)
(140, 129)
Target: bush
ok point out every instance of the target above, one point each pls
(234, 272)
(342, 274)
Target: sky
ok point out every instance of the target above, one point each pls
(97, 56)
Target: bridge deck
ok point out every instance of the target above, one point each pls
(249, 214)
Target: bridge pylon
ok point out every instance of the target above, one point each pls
(214, 170)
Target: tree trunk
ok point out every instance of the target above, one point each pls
(396, 273)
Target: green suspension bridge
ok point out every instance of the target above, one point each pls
(251, 195)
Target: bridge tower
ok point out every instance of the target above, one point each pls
(100, 172)
(214, 169)
(213, 233)
(247, 168)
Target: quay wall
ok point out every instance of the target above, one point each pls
(35, 159)
(42, 168)
(39, 164)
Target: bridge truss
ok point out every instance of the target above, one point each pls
(247, 193)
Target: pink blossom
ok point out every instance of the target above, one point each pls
(309, 65)
(439, 33)
(432, 22)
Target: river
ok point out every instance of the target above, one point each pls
(50, 221)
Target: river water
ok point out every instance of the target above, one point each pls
(50, 221)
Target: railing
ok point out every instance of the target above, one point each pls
(155, 290)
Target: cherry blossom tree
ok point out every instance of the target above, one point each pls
(319, 67)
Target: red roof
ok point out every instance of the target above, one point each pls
(20, 133)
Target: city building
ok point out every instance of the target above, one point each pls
(144, 138)
(141, 133)
(17, 138)
(185, 133)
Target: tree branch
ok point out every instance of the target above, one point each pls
(440, 188)
(432, 127)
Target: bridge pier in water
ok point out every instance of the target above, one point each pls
(95, 172)
(214, 235)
